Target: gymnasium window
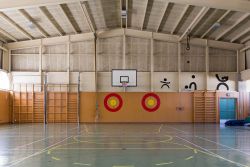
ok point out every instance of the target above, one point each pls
(4, 80)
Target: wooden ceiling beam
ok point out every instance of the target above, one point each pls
(218, 21)
(196, 20)
(87, 16)
(67, 18)
(29, 18)
(44, 11)
(239, 21)
(180, 18)
(15, 25)
(162, 16)
(22, 4)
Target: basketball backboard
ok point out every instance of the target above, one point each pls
(121, 77)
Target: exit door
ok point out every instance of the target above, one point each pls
(227, 109)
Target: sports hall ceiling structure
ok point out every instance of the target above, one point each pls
(218, 20)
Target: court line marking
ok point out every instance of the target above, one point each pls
(119, 148)
(33, 142)
(39, 152)
(164, 163)
(235, 149)
(188, 158)
(55, 158)
(81, 164)
(159, 130)
(36, 153)
(123, 166)
(104, 133)
(205, 151)
(214, 142)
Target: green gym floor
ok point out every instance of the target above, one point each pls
(124, 145)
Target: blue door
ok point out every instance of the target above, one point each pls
(227, 108)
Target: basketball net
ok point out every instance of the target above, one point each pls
(124, 85)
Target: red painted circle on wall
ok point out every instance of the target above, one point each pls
(113, 102)
(151, 102)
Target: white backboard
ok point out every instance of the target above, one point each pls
(128, 76)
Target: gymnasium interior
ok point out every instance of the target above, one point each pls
(124, 83)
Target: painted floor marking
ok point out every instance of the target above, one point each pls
(213, 142)
(33, 142)
(123, 166)
(81, 164)
(165, 163)
(222, 145)
(188, 158)
(55, 158)
(205, 151)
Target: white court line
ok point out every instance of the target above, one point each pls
(159, 130)
(33, 142)
(212, 154)
(37, 153)
(213, 142)
(223, 145)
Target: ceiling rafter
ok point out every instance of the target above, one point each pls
(3, 48)
(121, 11)
(15, 25)
(180, 18)
(127, 13)
(240, 34)
(144, 14)
(29, 18)
(217, 21)
(196, 20)
(236, 5)
(87, 16)
(44, 11)
(6, 34)
(240, 20)
(22, 4)
(245, 39)
(3, 40)
(67, 18)
(162, 16)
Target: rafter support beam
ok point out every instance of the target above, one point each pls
(245, 48)
(245, 39)
(29, 18)
(240, 34)
(241, 19)
(68, 19)
(43, 10)
(180, 18)
(22, 4)
(87, 17)
(3, 32)
(15, 25)
(162, 16)
(196, 20)
(4, 48)
(144, 14)
(218, 21)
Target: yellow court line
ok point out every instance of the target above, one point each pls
(212, 154)
(165, 163)
(188, 158)
(81, 164)
(123, 166)
(55, 158)
(159, 130)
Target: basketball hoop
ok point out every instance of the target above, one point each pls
(124, 84)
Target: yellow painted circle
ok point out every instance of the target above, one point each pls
(151, 102)
(112, 102)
